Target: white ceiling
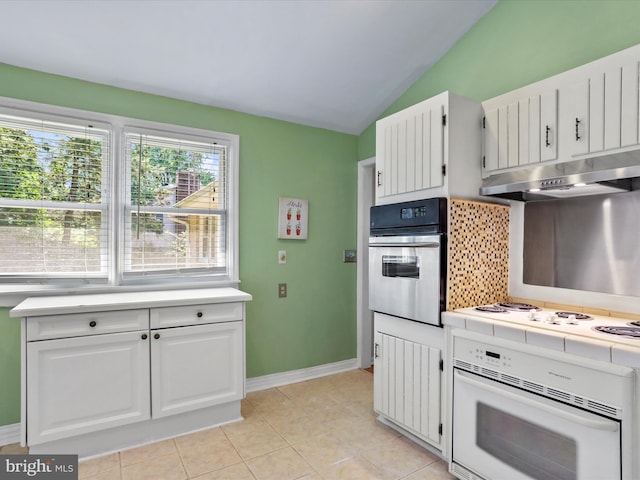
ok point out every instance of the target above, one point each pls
(335, 64)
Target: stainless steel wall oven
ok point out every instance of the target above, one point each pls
(407, 253)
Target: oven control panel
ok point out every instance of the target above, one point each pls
(491, 356)
(524, 364)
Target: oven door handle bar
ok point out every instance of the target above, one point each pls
(408, 245)
(609, 425)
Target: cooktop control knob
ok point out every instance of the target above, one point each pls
(571, 320)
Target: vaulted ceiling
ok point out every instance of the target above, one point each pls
(335, 64)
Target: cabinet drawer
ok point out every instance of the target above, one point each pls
(196, 314)
(89, 323)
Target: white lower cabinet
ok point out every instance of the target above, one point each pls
(408, 376)
(89, 388)
(83, 384)
(195, 367)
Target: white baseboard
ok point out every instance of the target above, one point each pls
(9, 434)
(284, 378)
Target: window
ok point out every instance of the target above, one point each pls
(105, 199)
(54, 196)
(176, 204)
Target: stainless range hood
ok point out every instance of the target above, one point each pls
(593, 176)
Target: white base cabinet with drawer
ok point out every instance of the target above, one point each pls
(104, 380)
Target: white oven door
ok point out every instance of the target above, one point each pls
(503, 433)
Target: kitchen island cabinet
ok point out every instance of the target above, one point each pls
(101, 373)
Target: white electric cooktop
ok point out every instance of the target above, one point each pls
(578, 333)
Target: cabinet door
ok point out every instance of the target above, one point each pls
(491, 150)
(196, 367)
(630, 105)
(578, 130)
(407, 385)
(84, 384)
(549, 125)
(521, 132)
(410, 150)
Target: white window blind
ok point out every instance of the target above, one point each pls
(54, 184)
(176, 205)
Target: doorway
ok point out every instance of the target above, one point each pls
(366, 198)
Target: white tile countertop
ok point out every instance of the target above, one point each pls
(578, 339)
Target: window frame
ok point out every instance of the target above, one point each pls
(116, 230)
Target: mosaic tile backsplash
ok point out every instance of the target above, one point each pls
(478, 270)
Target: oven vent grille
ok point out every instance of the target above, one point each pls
(487, 372)
(603, 408)
(462, 473)
(535, 387)
(509, 379)
(566, 397)
(465, 365)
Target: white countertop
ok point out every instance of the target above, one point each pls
(63, 304)
(577, 339)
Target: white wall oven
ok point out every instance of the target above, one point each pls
(407, 251)
(520, 412)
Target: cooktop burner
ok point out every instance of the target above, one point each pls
(618, 330)
(518, 307)
(578, 316)
(492, 309)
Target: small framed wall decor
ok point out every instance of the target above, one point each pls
(293, 216)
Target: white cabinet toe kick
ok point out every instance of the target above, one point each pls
(101, 373)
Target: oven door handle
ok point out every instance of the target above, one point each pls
(407, 245)
(610, 425)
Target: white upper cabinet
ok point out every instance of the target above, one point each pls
(589, 110)
(521, 132)
(420, 149)
(604, 110)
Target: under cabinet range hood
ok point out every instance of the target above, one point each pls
(612, 173)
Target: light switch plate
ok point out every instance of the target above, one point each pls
(349, 256)
(282, 256)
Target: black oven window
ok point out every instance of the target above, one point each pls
(400, 266)
(531, 449)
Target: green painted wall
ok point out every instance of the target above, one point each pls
(520, 42)
(315, 324)
(9, 368)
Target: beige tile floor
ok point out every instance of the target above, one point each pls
(318, 429)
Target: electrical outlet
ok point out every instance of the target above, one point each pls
(282, 290)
